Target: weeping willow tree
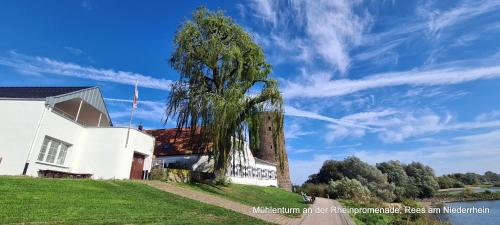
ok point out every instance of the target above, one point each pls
(223, 88)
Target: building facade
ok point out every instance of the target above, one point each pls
(175, 151)
(67, 131)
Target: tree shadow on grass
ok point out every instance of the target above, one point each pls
(211, 188)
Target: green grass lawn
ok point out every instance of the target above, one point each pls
(35, 200)
(252, 195)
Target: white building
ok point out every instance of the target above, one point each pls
(67, 131)
(175, 152)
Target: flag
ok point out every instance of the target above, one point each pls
(134, 106)
(136, 96)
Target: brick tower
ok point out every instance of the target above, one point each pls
(266, 151)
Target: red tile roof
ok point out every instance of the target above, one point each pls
(168, 144)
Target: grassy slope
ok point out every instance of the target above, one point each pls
(253, 195)
(103, 202)
(368, 218)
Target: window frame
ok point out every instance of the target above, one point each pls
(57, 158)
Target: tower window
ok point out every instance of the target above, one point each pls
(269, 128)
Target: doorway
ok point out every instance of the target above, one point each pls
(137, 166)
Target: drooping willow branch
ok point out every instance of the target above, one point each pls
(223, 87)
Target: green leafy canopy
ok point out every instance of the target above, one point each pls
(224, 85)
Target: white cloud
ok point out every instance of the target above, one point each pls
(390, 125)
(358, 101)
(73, 50)
(266, 10)
(295, 130)
(495, 114)
(439, 20)
(146, 110)
(331, 28)
(379, 52)
(324, 86)
(481, 149)
(463, 154)
(340, 132)
(411, 125)
(394, 126)
(35, 65)
(292, 111)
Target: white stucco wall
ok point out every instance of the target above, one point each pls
(18, 122)
(243, 159)
(98, 151)
(104, 154)
(253, 181)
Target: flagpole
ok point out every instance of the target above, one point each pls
(134, 106)
(129, 125)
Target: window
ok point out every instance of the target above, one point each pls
(51, 155)
(53, 151)
(269, 128)
(62, 154)
(44, 149)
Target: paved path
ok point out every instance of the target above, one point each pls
(306, 219)
(322, 217)
(221, 202)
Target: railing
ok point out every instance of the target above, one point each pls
(158, 163)
(67, 116)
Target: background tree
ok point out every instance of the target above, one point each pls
(353, 168)
(491, 177)
(423, 177)
(346, 188)
(223, 86)
(467, 178)
(396, 174)
(449, 182)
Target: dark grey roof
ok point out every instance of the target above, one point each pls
(36, 92)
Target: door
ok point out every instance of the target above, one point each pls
(137, 166)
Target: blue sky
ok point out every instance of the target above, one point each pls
(382, 80)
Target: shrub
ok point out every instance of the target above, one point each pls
(171, 175)
(349, 189)
(468, 192)
(353, 168)
(318, 190)
(222, 180)
(424, 179)
(384, 191)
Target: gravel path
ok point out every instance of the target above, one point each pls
(221, 202)
(324, 216)
(306, 219)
